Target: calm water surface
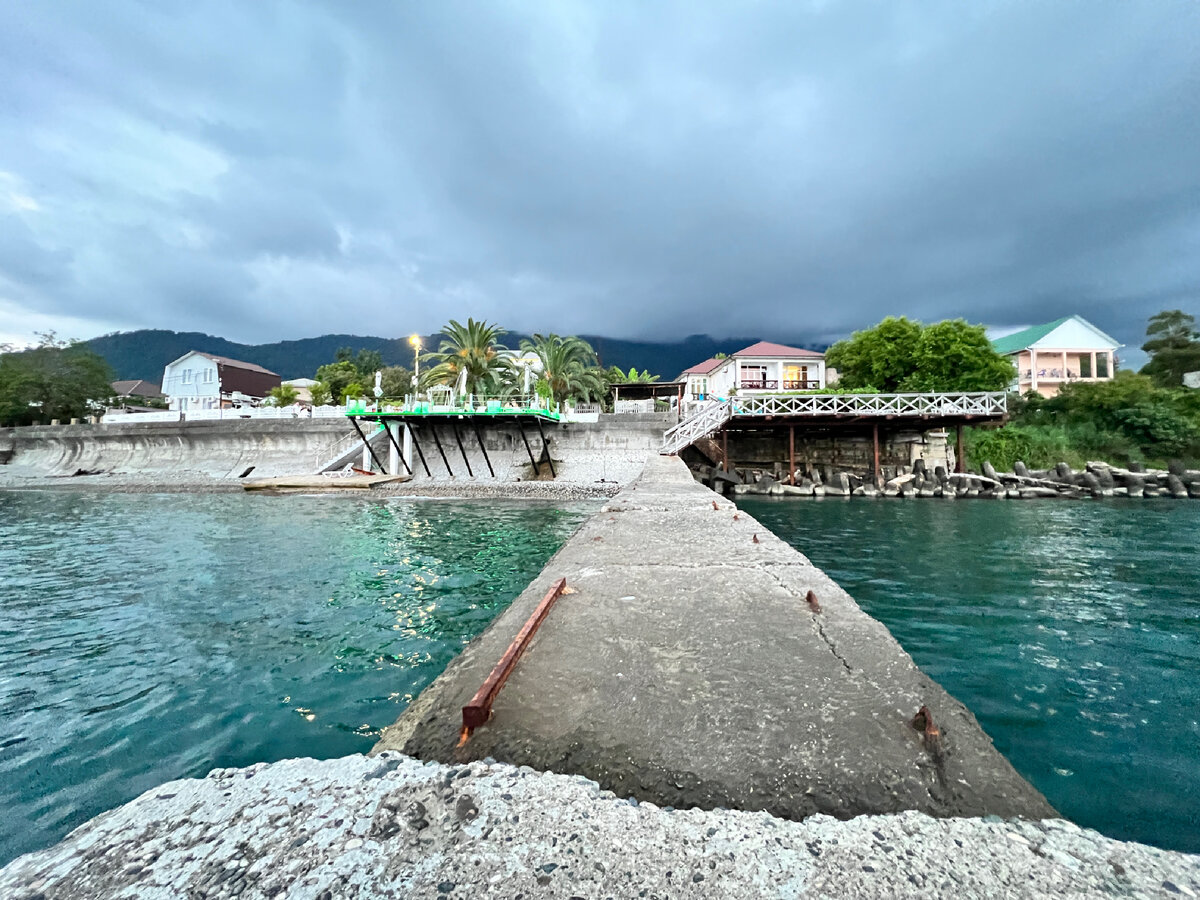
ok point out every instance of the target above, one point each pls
(151, 637)
(1071, 630)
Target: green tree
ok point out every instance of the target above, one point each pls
(336, 376)
(321, 395)
(1174, 347)
(899, 354)
(881, 357)
(955, 356)
(473, 348)
(284, 395)
(568, 366)
(396, 381)
(54, 380)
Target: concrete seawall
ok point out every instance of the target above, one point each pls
(688, 669)
(611, 450)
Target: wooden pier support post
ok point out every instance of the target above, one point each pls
(960, 464)
(792, 454)
(725, 448)
(875, 441)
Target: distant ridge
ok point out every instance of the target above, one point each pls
(143, 354)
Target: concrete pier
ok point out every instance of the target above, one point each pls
(687, 668)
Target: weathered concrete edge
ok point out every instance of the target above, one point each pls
(390, 825)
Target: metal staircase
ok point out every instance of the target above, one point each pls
(699, 425)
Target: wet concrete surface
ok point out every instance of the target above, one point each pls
(688, 669)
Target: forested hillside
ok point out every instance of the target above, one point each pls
(143, 354)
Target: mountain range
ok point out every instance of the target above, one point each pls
(143, 354)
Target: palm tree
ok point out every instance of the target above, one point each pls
(567, 365)
(472, 348)
(616, 375)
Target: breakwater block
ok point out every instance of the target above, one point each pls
(689, 669)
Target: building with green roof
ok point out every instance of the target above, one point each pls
(1051, 355)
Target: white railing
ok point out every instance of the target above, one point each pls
(979, 403)
(122, 418)
(634, 406)
(216, 415)
(338, 452)
(709, 418)
(700, 424)
(452, 403)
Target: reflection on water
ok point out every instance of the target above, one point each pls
(1071, 630)
(149, 637)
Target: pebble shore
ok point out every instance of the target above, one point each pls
(187, 483)
(391, 826)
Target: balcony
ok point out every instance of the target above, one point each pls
(1060, 375)
(764, 384)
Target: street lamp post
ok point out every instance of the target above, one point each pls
(415, 340)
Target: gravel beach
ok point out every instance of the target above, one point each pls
(186, 483)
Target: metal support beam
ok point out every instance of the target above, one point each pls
(438, 441)
(367, 444)
(461, 449)
(420, 452)
(399, 450)
(483, 449)
(528, 449)
(546, 448)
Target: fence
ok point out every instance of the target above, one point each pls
(213, 415)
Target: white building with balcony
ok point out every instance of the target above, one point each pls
(202, 381)
(762, 368)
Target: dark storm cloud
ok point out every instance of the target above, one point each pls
(795, 170)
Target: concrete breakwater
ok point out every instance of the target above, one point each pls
(609, 451)
(700, 661)
(1097, 480)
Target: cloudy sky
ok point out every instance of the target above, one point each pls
(274, 170)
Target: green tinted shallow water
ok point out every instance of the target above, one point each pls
(151, 637)
(1071, 630)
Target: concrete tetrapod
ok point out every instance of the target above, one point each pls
(689, 669)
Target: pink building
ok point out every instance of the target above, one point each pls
(1048, 356)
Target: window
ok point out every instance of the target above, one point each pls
(187, 376)
(208, 376)
(795, 378)
(1101, 365)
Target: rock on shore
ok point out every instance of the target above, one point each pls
(391, 826)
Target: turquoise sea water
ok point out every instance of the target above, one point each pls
(151, 637)
(1071, 630)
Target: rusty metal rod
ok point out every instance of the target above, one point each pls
(479, 709)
